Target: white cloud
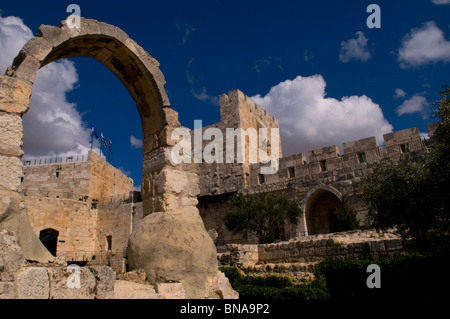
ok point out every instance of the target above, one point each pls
(135, 142)
(441, 1)
(355, 49)
(52, 126)
(399, 93)
(186, 30)
(309, 120)
(13, 36)
(415, 104)
(205, 97)
(424, 45)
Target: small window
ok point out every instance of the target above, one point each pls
(403, 148)
(323, 165)
(361, 157)
(261, 178)
(57, 174)
(21, 179)
(109, 241)
(291, 172)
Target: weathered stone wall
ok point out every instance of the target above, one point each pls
(329, 169)
(296, 258)
(22, 280)
(86, 202)
(93, 179)
(106, 182)
(75, 221)
(63, 180)
(236, 111)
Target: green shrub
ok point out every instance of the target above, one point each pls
(404, 276)
(272, 286)
(407, 276)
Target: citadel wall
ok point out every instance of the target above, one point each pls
(319, 184)
(88, 205)
(89, 202)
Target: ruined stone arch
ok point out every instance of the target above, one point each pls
(316, 220)
(135, 68)
(169, 191)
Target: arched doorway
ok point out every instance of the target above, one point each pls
(320, 211)
(49, 238)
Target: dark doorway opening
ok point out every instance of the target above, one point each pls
(49, 237)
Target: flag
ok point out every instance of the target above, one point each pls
(94, 132)
(105, 143)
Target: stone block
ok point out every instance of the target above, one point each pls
(88, 27)
(14, 95)
(32, 283)
(377, 246)
(223, 288)
(105, 279)
(38, 47)
(11, 255)
(24, 67)
(10, 172)
(393, 244)
(11, 129)
(54, 35)
(171, 290)
(71, 283)
(7, 290)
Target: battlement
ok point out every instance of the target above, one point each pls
(91, 177)
(238, 110)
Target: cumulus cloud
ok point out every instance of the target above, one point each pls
(135, 142)
(309, 120)
(424, 45)
(399, 93)
(355, 49)
(13, 35)
(415, 104)
(52, 126)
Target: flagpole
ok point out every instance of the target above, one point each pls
(100, 148)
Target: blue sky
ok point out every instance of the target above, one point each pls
(314, 64)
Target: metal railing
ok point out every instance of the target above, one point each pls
(55, 160)
(121, 198)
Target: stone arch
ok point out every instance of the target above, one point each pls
(169, 190)
(318, 206)
(135, 68)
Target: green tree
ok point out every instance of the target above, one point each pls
(345, 216)
(262, 214)
(412, 194)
